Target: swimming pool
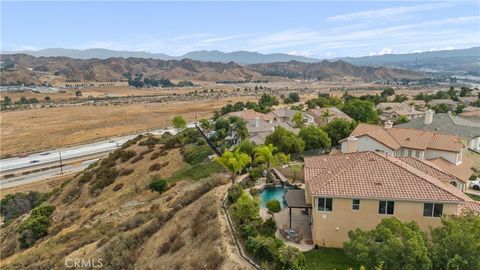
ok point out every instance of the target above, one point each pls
(274, 193)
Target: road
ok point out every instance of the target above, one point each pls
(53, 156)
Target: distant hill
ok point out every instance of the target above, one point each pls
(327, 70)
(28, 69)
(446, 60)
(244, 57)
(240, 57)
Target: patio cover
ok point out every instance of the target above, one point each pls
(295, 198)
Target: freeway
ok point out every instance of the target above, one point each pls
(49, 157)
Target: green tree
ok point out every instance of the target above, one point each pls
(78, 93)
(392, 243)
(297, 120)
(401, 119)
(285, 141)
(235, 162)
(455, 245)
(47, 98)
(294, 97)
(274, 206)
(339, 129)
(179, 122)
(158, 185)
(361, 111)
(441, 108)
(267, 100)
(246, 208)
(7, 101)
(314, 137)
(460, 108)
(205, 124)
(388, 92)
(247, 147)
(265, 154)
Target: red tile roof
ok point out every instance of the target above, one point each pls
(396, 138)
(461, 171)
(373, 175)
(428, 168)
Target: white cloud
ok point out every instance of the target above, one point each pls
(388, 13)
(305, 53)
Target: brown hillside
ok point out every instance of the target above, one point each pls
(126, 226)
(112, 69)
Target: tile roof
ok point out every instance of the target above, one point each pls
(373, 175)
(247, 114)
(396, 138)
(461, 171)
(333, 111)
(428, 168)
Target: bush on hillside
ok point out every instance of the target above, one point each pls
(194, 154)
(158, 185)
(36, 226)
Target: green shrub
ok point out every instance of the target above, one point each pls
(268, 228)
(149, 141)
(274, 206)
(126, 171)
(104, 177)
(248, 230)
(15, 205)
(473, 177)
(155, 167)
(158, 185)
(197, 171)
(36, 226)
(290, 258)
(136, 159)
(234, 192)
(264, 247)
(132, 141)
(255, 173)
(126, 155)
(194, 154)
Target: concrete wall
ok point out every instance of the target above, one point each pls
(332, 228)
(365, 143)
(475, 144)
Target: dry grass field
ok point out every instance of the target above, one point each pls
(36, 129)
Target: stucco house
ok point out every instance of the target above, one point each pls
(393, 110)
(323, 116)
(284, 115)
(445, 150)
(358, 190)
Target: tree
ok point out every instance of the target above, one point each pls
(274, 206)
(246, 208)
(205, 124)
(158, 185)
(235, 162)
(441, 108)
(78, 93)
(285, 141)
(294, 97)
(267, 100)
(455, 245)
(339, 129)
(247, 147)
(7, 100)
(460, 108)
(47, 98)
(392, 243)
(314, 137)
(179, 122)
(401, 119)
(297, 120)
(361, 111)
(265, 154)
(388, 92)
(465, 91)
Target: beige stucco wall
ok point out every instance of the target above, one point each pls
(453, 157)
(332, 228)
(365, 143)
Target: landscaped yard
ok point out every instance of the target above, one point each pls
(474, 196)
(328, 259)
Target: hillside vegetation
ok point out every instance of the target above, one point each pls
(108, 215)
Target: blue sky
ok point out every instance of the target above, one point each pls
(317, 29)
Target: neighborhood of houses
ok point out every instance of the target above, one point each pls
(414, 171)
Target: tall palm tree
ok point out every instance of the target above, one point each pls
(235, 162)
(265, 155)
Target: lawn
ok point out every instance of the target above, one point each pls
(328, 259)
(473, 196)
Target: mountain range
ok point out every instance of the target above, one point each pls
(445, 60)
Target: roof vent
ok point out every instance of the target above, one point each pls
(407, 139)
(378, 184)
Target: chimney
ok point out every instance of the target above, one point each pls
(257, 121)
(413, 108)
(350, 145)
(428, 117)
(388, 124)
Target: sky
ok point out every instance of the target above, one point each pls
(314, 29)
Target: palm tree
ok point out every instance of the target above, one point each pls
(235, 162)
(265, 155)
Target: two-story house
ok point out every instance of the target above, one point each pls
(284, 115)
(323, 116)
(445, 150)
(358, 190)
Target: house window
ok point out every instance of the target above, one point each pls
(355, 204)
(409, 153)
(417, 154)
(402, 153)
(325, 204)
(386, 207)
(432, 209)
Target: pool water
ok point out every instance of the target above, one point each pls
(274, 193)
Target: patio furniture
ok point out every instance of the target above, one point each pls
(292, 234)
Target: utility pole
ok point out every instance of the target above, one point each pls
(61, 166)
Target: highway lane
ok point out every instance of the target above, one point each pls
(53, 156)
